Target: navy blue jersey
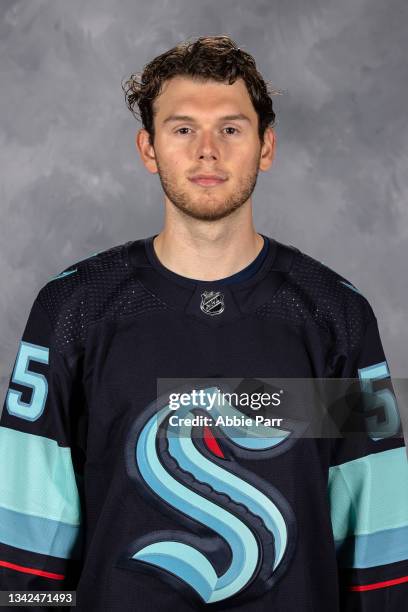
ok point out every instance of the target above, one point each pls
(94, 500)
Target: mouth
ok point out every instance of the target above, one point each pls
(207, 182)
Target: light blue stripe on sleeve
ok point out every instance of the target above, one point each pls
(40, 535)
(40, 507)
(369, 508)
(379, 548)
(37, 477)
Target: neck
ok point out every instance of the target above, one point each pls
(207, 255)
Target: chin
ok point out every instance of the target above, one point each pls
(209, 213)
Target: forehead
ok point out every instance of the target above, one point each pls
(187, 95)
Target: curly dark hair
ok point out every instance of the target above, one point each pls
(207, 57)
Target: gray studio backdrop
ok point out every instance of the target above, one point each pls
(72, 182)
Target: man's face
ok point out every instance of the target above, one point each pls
(192, 136)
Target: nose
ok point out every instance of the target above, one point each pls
(207, 148)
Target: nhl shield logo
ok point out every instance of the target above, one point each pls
(212, 302)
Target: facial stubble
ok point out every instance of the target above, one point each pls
(210, 205)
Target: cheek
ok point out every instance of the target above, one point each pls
(243, 153)
(172, 164)
(169, 152)
(241, 164)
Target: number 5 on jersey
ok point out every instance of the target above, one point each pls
(33, 380)
(384, 398)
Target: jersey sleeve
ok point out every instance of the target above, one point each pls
(41, 531)
(368, 489)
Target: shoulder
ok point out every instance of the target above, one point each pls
(79, 294)
(113, 256)
(79, 276)
(315, 292)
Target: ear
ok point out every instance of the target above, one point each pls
(268, 149)
(146, 150)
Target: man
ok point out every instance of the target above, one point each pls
(92, 498)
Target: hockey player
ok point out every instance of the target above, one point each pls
(94, 499)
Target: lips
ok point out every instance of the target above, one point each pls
(207, 180)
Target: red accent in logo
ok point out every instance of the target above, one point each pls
(211, 443)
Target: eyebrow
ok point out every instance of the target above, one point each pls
(236, 117)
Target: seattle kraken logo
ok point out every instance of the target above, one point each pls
(212, 302)
(239, 532)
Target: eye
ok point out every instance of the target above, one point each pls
(231, 128)
(183, 128)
